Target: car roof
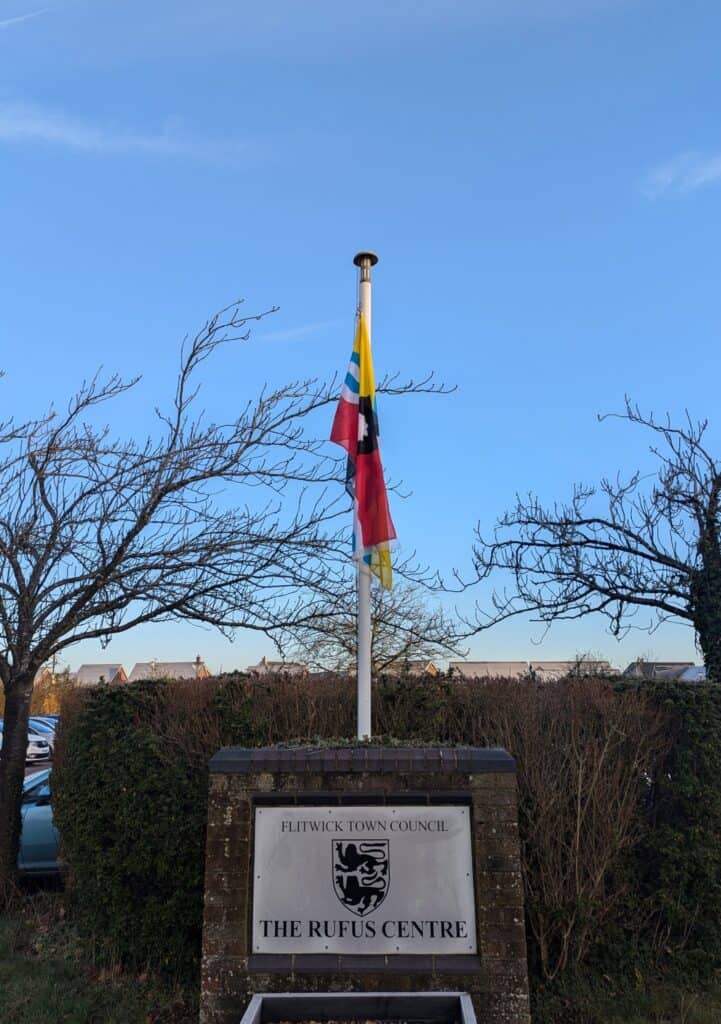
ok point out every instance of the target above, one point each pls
(1, 727)
(36, 777)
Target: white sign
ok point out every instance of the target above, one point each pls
(363, 880)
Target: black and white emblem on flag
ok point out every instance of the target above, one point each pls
(361, 874)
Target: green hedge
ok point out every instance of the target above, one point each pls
(678, 865)
(131, 808)
(131, 784)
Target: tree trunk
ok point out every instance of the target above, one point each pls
(18, 694)
(705, 605)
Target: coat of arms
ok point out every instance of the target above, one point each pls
(361, 874)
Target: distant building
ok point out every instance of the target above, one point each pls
(94, 675)
(411, 668)
(169, 670)
(549, 671)
(693, 674)
(641, 669)
(489, 669)
(542, 671)
(277, 668)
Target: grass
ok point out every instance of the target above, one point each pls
(666, 1004)
(601, 1001)
(45, 976)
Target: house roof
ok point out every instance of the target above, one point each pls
(489, 669)
(574, 667)
(693, 674)
(88, 675)
(657, 669)
(517, 669)
(168, 670)
(421, 668)
(554, 666)
(265, 666)
(412, 668)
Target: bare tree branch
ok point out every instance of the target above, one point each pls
(227, 524)
(405, 626)
(656, 547)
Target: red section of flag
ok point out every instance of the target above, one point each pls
(345, 426)
(372, 501)
(355, 428)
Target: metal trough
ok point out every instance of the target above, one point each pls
(426, 1007)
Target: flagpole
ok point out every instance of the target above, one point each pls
(364, 261)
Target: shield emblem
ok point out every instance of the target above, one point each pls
(361, 874)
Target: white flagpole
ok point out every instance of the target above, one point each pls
(364, 260)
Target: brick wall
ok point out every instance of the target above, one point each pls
(485, 780)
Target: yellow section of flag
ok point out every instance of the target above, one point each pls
(381, 565)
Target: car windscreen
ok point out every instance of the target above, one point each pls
(40, 790)
(38, 726)
(36, 779)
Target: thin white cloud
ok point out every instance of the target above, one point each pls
(26, 123)
(9, 22)
(683, 174)
(292, 333)
(106, 33)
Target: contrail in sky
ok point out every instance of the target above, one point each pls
(21, 17)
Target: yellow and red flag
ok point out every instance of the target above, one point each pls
(355, 428)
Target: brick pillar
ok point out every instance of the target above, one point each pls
(482, 779)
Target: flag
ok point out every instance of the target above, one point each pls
(355, 428)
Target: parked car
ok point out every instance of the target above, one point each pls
(50, 720)
(38, 854)
(38, 727)
(38, 749)
(46, 720)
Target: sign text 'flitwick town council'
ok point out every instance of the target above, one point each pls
(363, 879)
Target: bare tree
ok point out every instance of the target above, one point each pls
(654, 546)
(225, 524)
(405, 626)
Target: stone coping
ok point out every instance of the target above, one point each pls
(363, 758)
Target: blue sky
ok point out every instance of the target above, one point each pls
(541, 179)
